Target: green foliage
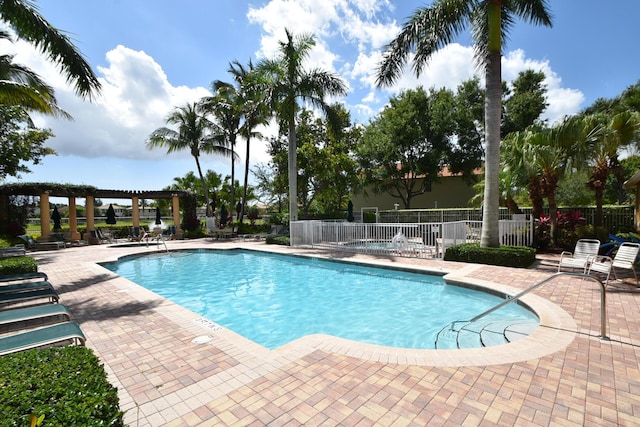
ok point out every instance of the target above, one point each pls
(278, 240)
(507, 256)
(19, 264)
(20, 142)
(67, 385)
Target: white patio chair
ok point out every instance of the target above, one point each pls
(582, 255)
(625, 257)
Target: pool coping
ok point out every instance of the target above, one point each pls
(557, 328)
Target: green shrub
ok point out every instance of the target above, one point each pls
(278, 240)
(18, 264)
(507, 256)
(68, 386)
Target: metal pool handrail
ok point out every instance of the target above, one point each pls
(603, 299)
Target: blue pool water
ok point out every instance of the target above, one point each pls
(275, 299)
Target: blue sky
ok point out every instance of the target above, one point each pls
(153, 55)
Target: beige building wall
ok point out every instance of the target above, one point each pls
(449, 192)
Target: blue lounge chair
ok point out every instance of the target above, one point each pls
(35, 245)
(25, 287)
(54, 334)
(34, 312)
(23, 276)
(35, 294)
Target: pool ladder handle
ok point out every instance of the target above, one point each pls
(603, 300)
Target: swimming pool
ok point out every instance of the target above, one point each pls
(275, 299)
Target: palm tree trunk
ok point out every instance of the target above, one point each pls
(205, 191)
(232, 206)
(293, 173)
(493, 109)
(246, 181)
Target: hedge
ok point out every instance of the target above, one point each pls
(507, 256)
(61, 386)
(19, 264)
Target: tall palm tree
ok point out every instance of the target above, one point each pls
(254, 113)
(23, 17)
(431, 28)
(225, 106)
(288, 81)
(194, 133)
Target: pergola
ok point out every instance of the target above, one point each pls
(71, 192)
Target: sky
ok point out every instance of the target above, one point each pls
(154, 55)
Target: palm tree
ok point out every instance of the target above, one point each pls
(22, 87)
(23, 17)
(433, 27)
(194, 133)
(226, 108)
(287, 82)
(250, 104)
(615, 132)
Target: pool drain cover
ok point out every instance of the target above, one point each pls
(202, 339)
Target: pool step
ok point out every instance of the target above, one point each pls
(483, 334)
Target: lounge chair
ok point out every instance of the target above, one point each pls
(23, 276)
(34, 312)
(625, 257)
(12, 251)
(34, 294)
(25, 286)
(49, 335)
(585, 251)
(34, 245)
(60, 238)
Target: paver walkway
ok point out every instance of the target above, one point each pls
(173, 370)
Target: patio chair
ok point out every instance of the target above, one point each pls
(49, 335)
(12, 251)
(30, 295)
(57, 237)
(23, 276)
(35, 245)
(625, 257)
(25, 287)
(34, 312)
(584, 252)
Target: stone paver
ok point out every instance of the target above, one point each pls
(563, 374)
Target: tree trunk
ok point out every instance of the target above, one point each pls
(204, 189)
(293, 173)
(232, 204)
(493, 109)
(246, 182)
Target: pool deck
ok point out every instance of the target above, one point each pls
(173, 369)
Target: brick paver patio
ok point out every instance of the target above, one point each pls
(563, 374)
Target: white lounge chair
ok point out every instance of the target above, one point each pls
(625, 257)
(582, 255)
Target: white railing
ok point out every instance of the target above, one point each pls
(422, 240)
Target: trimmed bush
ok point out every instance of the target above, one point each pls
(67, 386)
(507, 256)
(18, 264)
(278, 240)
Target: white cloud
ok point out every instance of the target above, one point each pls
(136, 97)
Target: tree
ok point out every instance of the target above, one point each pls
(226, 108)
(20, 141)
(432, 27)
(406, 146)
(23, 17)
(251, 103)
(22, 87)
(194, 133)
(612, 133)
(527, 102)
(327, 173)
(288, 81)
